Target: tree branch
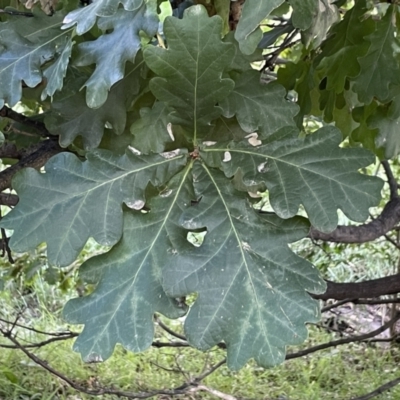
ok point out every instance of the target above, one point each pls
(386, 221)
(7, 112)
(36, 157)
(393, 186)
(358, 290)
(339, 342)
(378, 391)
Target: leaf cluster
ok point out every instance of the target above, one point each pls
(165, 131)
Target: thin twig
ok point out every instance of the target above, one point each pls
(337, 304)
(183, 389)
(40, 344)
(339, 342)
(170, 344)
(15, 12)
(215, 392)
(37, 330)
(378, 391)
(169, 330)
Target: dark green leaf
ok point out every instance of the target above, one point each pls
(151, 130)
(259, 107)
(251, 287)
(379, 67)
(71, 117)
(190, 70)
(386, 120)
(341, 51)
(312, 171)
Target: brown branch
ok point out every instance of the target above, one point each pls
(378, 391)
(339, 342)
(9, 150)
(337, 304)
(29, 328)
(36, 157)
(393, 186)
(360, 301)
(386, 221)
(358, 290)
(7, 112)
(8, 199)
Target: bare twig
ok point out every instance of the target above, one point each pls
(378, 391)
(169, 330)
(215, 392)
(337, 304)
(40, 344)
(170, 344)
(66, 333)
(15, 12)
(183, 389)
(339, 342)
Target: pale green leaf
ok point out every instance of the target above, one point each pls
(129, 292)
(86, 17)
(247, 32)
(304, 11)
(259, 107)
(112, 50)
(327, 14)
(151, 130)
(76, 200)
(380, 66)
(190, 70)
(313, 171)
(55, 74)
(251, 288)
(71, 117)
(24, 50)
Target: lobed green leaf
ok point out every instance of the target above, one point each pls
(190, 71)
(312, 171)
(251, 288)
(76, 200)
(129, 290)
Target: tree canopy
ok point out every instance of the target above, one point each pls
(154, 127)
